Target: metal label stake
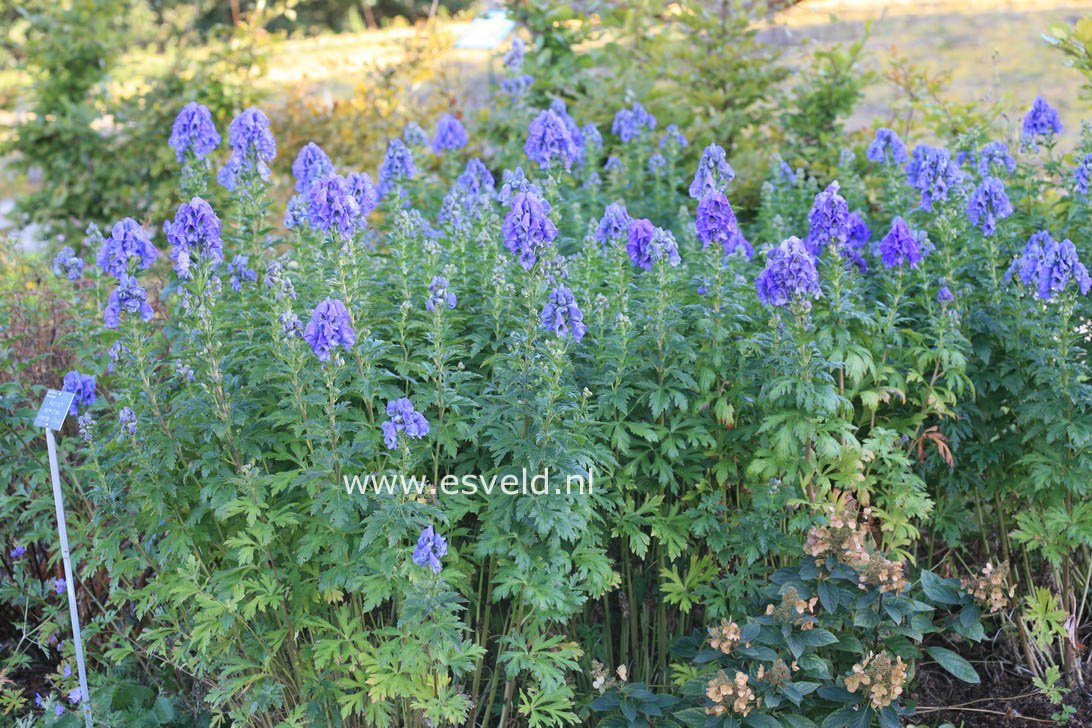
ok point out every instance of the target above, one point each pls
(51, 416)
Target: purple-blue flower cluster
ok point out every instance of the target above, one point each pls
(450, 134)
(129, 297)
(127, 241)
(995, 154)
(1049, 265)
(193, 129)
(252, 146)
(714, 173)
(1082, 173)
(886, 148)
(67, 264)
(647, 244)
(331, 206)
(672, 136)
(366, 195)
(932, 172)
(194, 235)
(549, 141)
(631, 123)
(239, 272)
(716, 223)
(329, 328)
(403, 418)
(81, 385)
(613, 227)
(431, 547)
(1042, 120)
(439, 295)
(527, 228)
(562, 316)
(397, 166)
(900, 246)
(127, 420)
(828, 221)
(790, 275)
(311, 165)
(988, 204)
(513, 59)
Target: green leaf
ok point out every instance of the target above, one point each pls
(954, 664)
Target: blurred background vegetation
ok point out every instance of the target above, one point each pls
(88, 88)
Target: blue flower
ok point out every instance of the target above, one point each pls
(527, 228)
(431, 546)
(513, 182)
(900, 246)
(513, 59)
(252, 145)
(558, 107)
(1082, 173)
(1050, 265)
(439, 295)
(859, 232)
(127, 241)
(476, 178)
(716, 223)
(829, 221)
(414, 136)
(647, 244)
(672, 135)
(944, 294)
(365, 194)
(239, 272)
(613, 164)
(714, 173)
(18, 551)
(450, 134)
(194, 234)
(886, 148)
(988, 204)
(593, 140)
(403, 418)
(58, 709)
(656, 164)
(193, 129)
(629, 124)
(517, 86)
(59, 586)
(932, 172)
(329, 328)
(66, 263)
(331, 206)
(397, 165)
(789, 277)
(74, 694)
(562, 316)
(995, 153)
(128, 296)
(613, 226)
(549, 141)
(127, 420)
(1041, 120)
(311, 165)
(81, 385)
(85, 424)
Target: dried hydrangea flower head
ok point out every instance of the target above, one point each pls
(731, 695)
(725, 636)
(883, 675)
(989, 588)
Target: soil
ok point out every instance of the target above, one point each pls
(1004, 699)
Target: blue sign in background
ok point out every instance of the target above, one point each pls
(54, 409)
